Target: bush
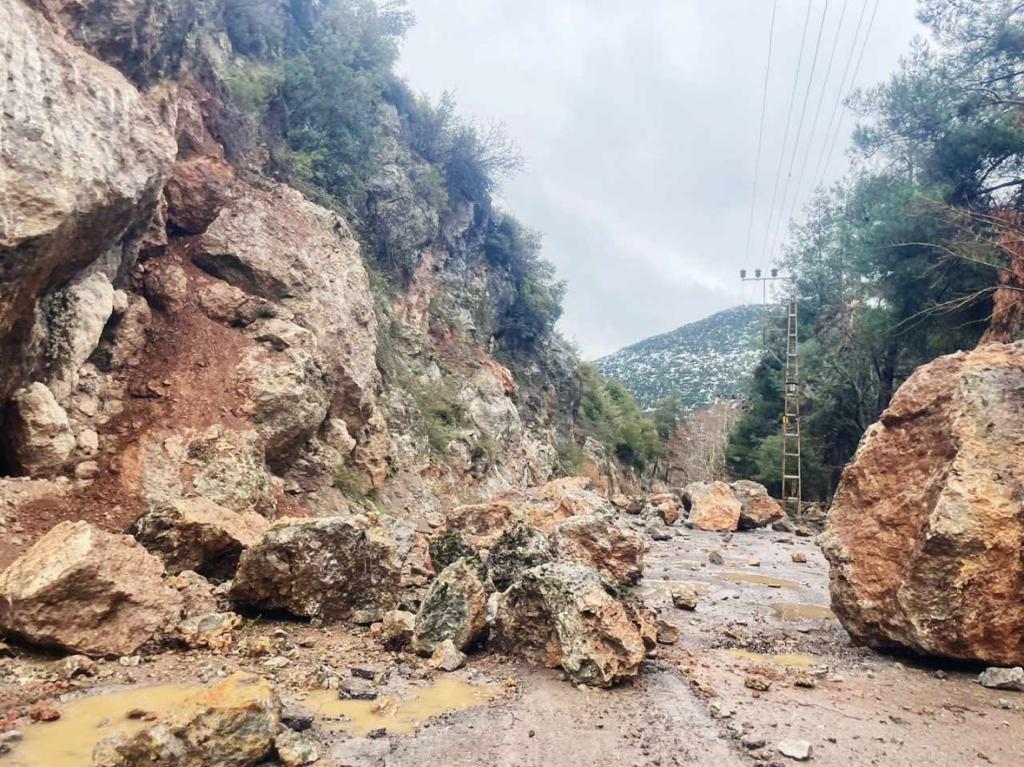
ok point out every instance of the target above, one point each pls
(443, 416)
(610, 414)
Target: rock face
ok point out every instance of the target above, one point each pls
(926, 531)
(560, 614)
(196, 534)
(592, 540)
(39, 437)
(87, 591)
(326, 568)
(454, 608)
(82, 162)
(231, 724)
(712, 506)
(757, 508)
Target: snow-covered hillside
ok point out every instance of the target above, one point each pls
(699, 363)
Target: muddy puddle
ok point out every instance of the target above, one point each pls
(760, 580)
(69, 741)
(782, 659)
(794, 612)
(398, 716)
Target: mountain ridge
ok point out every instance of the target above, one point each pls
(699, 362)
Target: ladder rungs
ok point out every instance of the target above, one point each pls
(791, 476)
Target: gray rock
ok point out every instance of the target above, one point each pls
(453, 609)
(997, 678)
(798, 750)
(447, 657)
(518, 549)
(327, 568)
(37, 431)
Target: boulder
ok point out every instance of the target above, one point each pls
(454, 608)
(397, 629)
(712, 506)
(481, 524)
(447, 657)
(684, 596)
(38, 433)
(213, 631)
(327, 568)
(996, 678)
(561, 614)
(88, 591)
(274, 244)
(757, 508)
(446, 548)
(76, 315)
(228, 468)
(518, 549)
(197, 534)
(593, 540)
(231, 724)
(925, 535)
(82, 161)
(196, 191)
(666, 506)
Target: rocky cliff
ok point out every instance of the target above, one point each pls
(178, 322)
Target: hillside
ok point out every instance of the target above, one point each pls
(699, 362)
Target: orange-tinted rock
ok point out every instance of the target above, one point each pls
(481, 524)
(591, 540)
(88, 591)
(712, 506)
(196, 191)
(757, 508)
(926, 531)
(666, 506)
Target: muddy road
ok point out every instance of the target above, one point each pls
(760, 665)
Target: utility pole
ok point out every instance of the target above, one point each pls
(791, 480)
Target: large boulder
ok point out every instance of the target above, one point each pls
(197, 534)
(757, 508)
(926, 530)
(517, 549)
(38, 436)
(324, 568)
(82, 162)
(275, 244)
(481, 524)
(454, 608)
(231, 724)
(88, 591)
(561, 614)
(196, 191)
(712, 506)
(593, 540)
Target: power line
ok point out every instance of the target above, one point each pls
(842, 89)
(799, 130)
(853, 81)
(760, 134)
(817, 111)
(785, 136)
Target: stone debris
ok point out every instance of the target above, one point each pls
(87, 591)
(294, 749)
(997, 678)
(799, 557)
(684, 597)
(712, 506)
(561, 614)
(593, 540)
(757, 508)
(798, 750)
(197, 534)
(927, 557)
(37, 431)
(517, 549)
(453, 609)
(327, 568)
(234, 723)
(447, 657)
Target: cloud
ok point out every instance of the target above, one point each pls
(639, 124)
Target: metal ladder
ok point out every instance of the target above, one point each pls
(791, 490)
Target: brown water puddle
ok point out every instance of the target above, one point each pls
(397, 716)
(782, 659)
(69, 741)
(760, 580)
(794, 612)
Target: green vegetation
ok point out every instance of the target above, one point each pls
(898, 264)
(609, 414)
(443, 416)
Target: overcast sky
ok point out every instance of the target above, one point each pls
(639, 123)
